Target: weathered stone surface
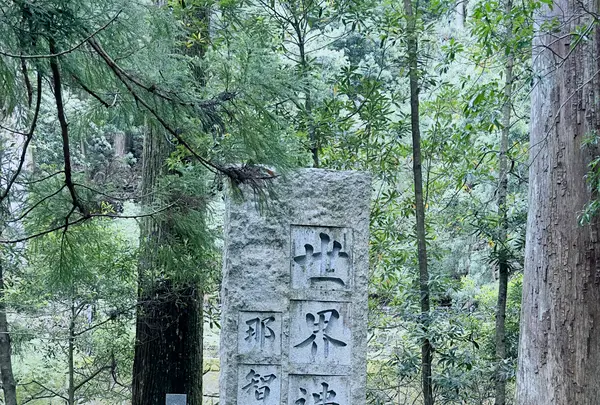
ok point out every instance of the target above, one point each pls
(320, 333)
(259, 384)
(321, 258)
(259, 337)
(294, 292)
(321, 389)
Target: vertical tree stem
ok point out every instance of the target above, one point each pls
(6, 371)
(426, 352)
(503, 221)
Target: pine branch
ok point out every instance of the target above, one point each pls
(117, 71)
(155, 90)
(54, 54)
(29, 137)
(27, 82)
(91, 377)
(81, 220)
(92, 93)
(42, 386)
(233, 172)
(34, 206)
(64, 129)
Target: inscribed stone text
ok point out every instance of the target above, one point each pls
(321, 258)
(319, 333)
(259, 333)
(318, 390)
(321, 325)
(259, 384)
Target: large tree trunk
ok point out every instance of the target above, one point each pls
(559, 352)
(426, 350)
(169, 328)
(168, 351)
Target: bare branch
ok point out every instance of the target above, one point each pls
(27, 82)
(42, 179)
(14, 131)
(38, 396)
(112, 317)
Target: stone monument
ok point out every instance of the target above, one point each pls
(294, 293)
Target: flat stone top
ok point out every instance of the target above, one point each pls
(294, 291)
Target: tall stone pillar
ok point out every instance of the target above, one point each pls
(294, 295)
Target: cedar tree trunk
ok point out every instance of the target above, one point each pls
(168, 350)
(559, 352)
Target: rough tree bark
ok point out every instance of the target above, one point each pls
(500, 336)
(559, 351)
(412, 52)
(169, 326)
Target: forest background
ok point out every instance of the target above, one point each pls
(124, 123)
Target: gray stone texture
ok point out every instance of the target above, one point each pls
(176, 399)
(321, 389)
(294, 292)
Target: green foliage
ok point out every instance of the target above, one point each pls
(592, 208)
(77, 285)
(267, 83)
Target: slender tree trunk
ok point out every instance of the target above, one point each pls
(7, 166)
(312, 133)
(6, 372)
(503, 223)
(559, 351)
(426, 352)
(168, 351)
(308, 104)
(71, 355)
